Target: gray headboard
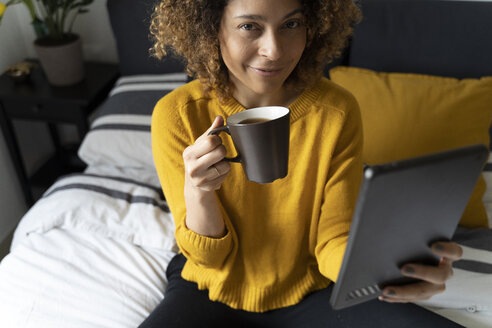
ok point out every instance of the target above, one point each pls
(130, 21)
(438, 37)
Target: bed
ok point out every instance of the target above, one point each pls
(93, 251)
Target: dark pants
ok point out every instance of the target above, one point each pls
(185, 306)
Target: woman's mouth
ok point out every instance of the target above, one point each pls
(266, 72)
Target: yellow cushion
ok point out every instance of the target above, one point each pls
(408, 115)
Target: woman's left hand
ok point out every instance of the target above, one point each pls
(433, 277)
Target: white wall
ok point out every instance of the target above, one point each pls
(11, 200)
(16, 37)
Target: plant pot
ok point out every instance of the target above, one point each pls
(62, 61)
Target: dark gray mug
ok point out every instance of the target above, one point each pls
(261, 138)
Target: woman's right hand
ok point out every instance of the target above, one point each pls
(203, 161)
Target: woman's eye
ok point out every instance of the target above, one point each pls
(292, 24)
(247, 27)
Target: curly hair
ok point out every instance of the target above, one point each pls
(191, 29)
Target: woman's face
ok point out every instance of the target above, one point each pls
(261, 42)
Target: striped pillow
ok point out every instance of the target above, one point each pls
(120, 134)
(108, 206)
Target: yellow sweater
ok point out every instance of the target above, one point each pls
(284, 239)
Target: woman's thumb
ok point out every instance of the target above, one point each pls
(218, 122)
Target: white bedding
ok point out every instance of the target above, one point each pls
(88, 257)
(110, 206)
(66, 278)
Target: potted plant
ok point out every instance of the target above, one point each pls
(58, 48)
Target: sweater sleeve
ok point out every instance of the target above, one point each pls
(171, 133)
(340, 194)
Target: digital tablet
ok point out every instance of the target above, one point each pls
(402, 208)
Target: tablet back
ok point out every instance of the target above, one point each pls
(402, 208)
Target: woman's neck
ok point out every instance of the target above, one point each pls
(249, 99)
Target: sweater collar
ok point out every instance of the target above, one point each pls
(297, 109)
(305, 101)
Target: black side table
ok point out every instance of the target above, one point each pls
(37, 100)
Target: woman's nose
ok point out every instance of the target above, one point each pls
(270, 46)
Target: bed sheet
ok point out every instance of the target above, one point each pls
(92, 252)
(64, 278)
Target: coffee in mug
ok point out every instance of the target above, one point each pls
(254, 120)
(261, 138)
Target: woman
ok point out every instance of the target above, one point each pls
(266, 254)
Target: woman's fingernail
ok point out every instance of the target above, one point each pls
(409, 270)
(389, 292)
(438, 247)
